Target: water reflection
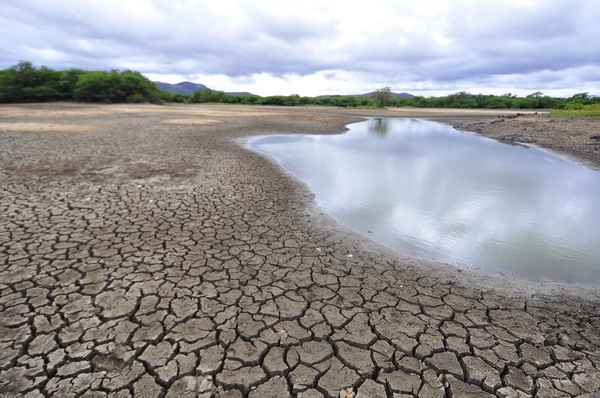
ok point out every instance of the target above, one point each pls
(429, 191)
(378, 126)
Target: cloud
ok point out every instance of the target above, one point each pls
(314, 47)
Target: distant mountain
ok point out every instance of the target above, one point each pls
(188, 88)
(397, 95)
(181, 88)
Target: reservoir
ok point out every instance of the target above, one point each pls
(429, 191)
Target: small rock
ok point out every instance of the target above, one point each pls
(347, 393)
(283, 335)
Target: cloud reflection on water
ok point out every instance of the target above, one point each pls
(429, 191)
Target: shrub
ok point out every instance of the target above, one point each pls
(115, 86)
(136, 98)
(172, 97)
(207, 95)
(578, 110)
(24, 82)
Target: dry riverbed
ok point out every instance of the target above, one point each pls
(144, 252)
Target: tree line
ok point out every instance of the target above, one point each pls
(26, 83)
(383, 98)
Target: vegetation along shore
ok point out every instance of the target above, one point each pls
(27, 83)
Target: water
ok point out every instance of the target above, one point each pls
(429, 191)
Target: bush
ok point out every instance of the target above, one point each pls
(136, 98)
(207, 95)
(574, 106)
(25, 83)
(385, 98)
(171, 97)
(115, 86)
(578, 110)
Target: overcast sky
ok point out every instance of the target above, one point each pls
(306, 47)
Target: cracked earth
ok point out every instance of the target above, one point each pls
(142, 258)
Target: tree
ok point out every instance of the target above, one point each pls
(24, 82)
(537, 94)
(207, 95)
(115, 86)
(383, 96)
(580, 97)
(68, 81)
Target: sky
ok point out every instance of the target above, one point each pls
(307, 47)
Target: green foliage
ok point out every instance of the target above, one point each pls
(466, 100)
(136, 98)
(383, 97)
(26, 83)
(115, 86)
(578, 110)
(172, 97)
(207, 96)
(23, 82)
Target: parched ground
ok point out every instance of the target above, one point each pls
(144, 253)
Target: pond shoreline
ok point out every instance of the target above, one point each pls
(425, 168)
(572, 137)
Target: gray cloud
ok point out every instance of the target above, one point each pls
(430, 45)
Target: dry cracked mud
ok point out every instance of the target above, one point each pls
(144, 259)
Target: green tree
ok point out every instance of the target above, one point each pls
(24, 82)
(115, 86)
(383, 96)
(207, 95)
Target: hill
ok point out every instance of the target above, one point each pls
(186, 88)
(189, 88)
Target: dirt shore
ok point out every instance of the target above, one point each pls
(144, 252)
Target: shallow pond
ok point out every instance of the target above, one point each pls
(430, 191)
